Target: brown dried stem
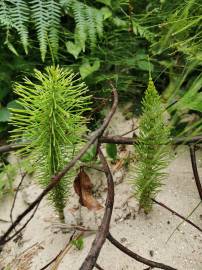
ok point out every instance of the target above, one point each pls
(16, 193)
(25, 224)
(131, 141)
(116, 140)
(195, 170)
(102, 233)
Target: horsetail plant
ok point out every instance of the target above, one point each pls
(152, 149)
(51, 124)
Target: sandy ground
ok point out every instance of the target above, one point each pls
(147, 235)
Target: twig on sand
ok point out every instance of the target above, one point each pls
(136, 256)
(192, 149)
(177, 214)
(15, 196)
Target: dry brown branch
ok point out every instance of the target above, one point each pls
(17, 232)
(116, 140)
(177, 214)
(195, 170)
(130, 141)
(101, 235)
(16, 193)
(136, 256)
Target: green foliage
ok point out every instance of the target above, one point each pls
(165, 27)
(192, 99)
(89, 23)
(10, 68)
(5, 16)
(111, 149)
(90, 154)
(104, 40)
(78, 243)
(39, 15)
(4, 115)
(19, 14)
(151, 149)
(184, 91)
(54, 16)
(86, 68)
(142, 31)
(51, 124)
(8, 173)
(181, 31)
(46, 18)
(7, 177)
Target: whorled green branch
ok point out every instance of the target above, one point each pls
(151, 149)
(51, 124)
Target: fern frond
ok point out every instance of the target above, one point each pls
(89, 21)
(79, 16)
(91, 25)
(39, 14)
(98, 18)
(54, 14)
(142, 31)
(5, 16)
(19, 14)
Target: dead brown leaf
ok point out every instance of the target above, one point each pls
(83, 188)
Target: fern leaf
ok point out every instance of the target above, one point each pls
(80, 19)
(98, 18)
(142, 31)
(5, 16)
(20, 16)
(54, 14)
(66, 3)
(91, 26)
(40, 16)
(89, 22)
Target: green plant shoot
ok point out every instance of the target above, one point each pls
(51, 124)
(78, 243)
(152, 149)
(111, 151)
